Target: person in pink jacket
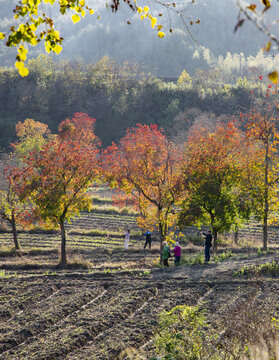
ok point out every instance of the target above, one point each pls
(177, 253)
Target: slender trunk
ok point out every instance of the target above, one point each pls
(215, 233)
(236, 237)
(215, 238)
(162, 238)
(13, 223)
(266, 205)
(265, 234)
(63, 258)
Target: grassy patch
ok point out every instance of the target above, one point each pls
(192, 259)
(110, 210)
(267, 269)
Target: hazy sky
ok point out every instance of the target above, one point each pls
(91, 39)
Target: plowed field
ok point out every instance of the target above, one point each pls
(76, 315)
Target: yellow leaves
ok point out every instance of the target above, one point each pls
(22, 52)
(146, 9)
(56, 34)
(75, 18)
(21, 69)
(32, 27)
(153, 21)
(91, 11)
(161, 34)
(57, 49)
(273, 76)
(48, 47)
(2, 36)
(139, 10)
(81, 3)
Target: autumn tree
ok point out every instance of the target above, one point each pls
(146, 166)
(32, 136)
(263, 170)
(213, 166)
(56, 178)
(11, 209)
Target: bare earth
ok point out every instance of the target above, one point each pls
(107, 312)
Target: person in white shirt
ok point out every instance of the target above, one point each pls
(127, 238)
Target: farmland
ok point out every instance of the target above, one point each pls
(105, 304)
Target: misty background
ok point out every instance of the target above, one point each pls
(216, 43)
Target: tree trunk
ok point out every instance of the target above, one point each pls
(13, 223)
(63, 258)
(266, 205)
(215, 238)
(265, 234)
(236, 237)
(162, 238)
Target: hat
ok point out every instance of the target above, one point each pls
(177, 243)
(164, 243)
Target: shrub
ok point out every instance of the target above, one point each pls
(267, 269)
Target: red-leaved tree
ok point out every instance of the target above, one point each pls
(56, 178)
(146, 165)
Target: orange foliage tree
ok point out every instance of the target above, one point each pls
(263, 170)
(56, 178)
(146, 166)
(213, 168)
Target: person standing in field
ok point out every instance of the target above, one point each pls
(177, 253)
(166, 254)
(148, 239)
(127, 239)
(207, 245)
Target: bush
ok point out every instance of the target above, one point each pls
(267, 269)
(184, 333)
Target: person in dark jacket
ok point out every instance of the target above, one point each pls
(207, 245)
(148, 239)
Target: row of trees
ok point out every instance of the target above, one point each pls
(219, 176)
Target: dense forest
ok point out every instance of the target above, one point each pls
(119, 96)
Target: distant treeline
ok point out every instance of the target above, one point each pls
(118, 96)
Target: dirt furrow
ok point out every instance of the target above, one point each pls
(37, 322)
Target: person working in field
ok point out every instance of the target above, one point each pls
(177, 253)
(207, 245)
(148, 239)
(127, 239)
(166, 254)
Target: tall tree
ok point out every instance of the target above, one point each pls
(56, 178)
(263, 170)
(32, 136)
(146, 166)
(11, 209)
(213, 166)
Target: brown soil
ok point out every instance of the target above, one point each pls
(102, 313)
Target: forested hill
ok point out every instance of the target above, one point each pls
(118, 96)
